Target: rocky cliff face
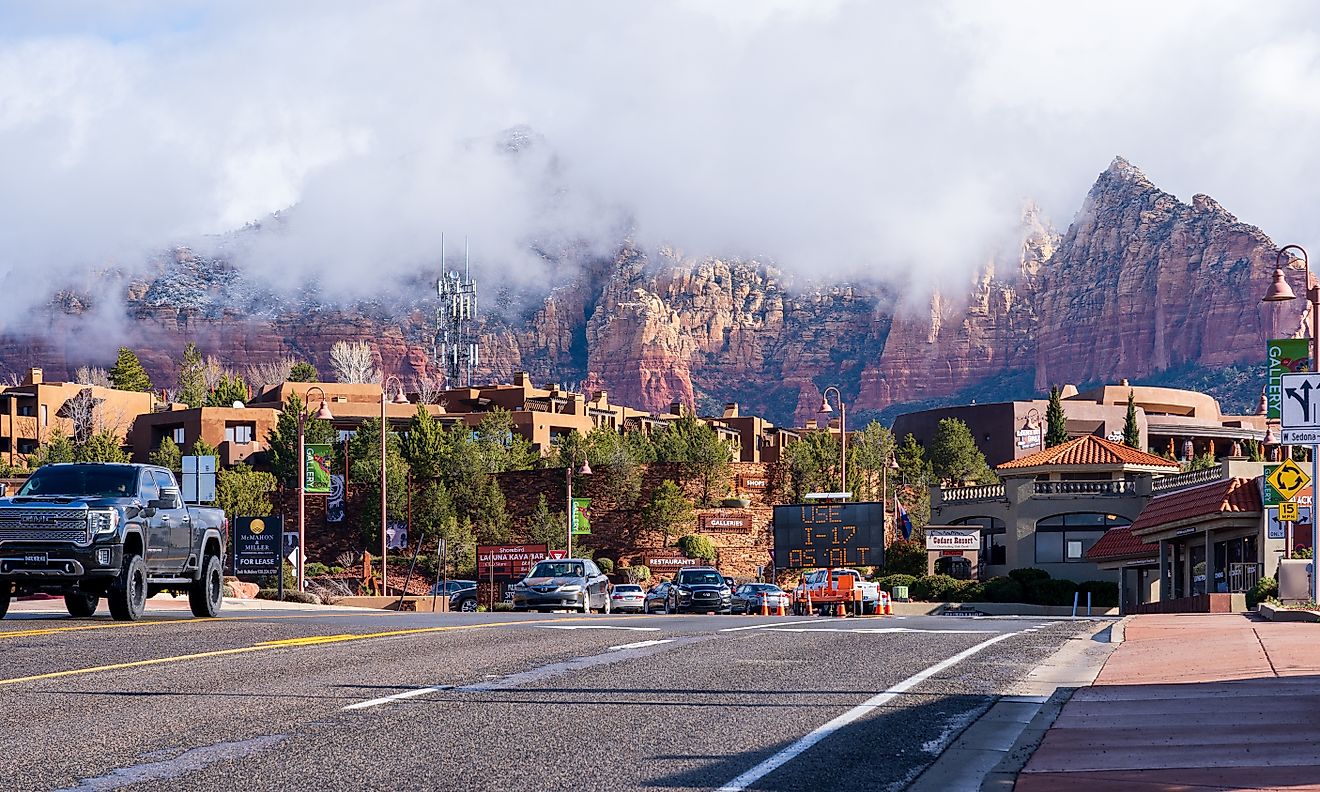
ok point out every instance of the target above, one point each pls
(1139, 283)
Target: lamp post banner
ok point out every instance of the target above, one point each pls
(317, 458)
(581, 524)
(1285, 356)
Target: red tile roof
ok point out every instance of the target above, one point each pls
(1119, 544)
(1089, 450)
(1227, 496)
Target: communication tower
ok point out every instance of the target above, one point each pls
(456, 347)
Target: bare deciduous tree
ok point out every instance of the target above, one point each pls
(353, 362)
(272, 372)
(92, 375)
(428, 389)
(213, 371)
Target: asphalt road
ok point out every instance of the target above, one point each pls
(364, 700)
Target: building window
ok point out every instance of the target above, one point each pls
(176, 434)
(993, 534)
(45, 415)
(27, 446)
(239, 433)
(1065, 538)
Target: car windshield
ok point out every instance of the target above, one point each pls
(701, 579)
(557, 569)
(97, 481)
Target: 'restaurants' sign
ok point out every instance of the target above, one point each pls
(757, 483)
(667, 561)
(718, 522)
(953, 538)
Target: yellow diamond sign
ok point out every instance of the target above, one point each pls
(1289, 479)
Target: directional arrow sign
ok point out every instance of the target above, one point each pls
(1300, 407)
(1289, 479)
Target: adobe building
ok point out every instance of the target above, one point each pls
(30, 412)
(237, 433)
(1173, 422)
(1051, 507)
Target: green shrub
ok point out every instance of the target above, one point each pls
(697, 546)
(1104, 593)
(636, 574)
(968, 591)
(1051, 592)
(1004, 589)
(606, 565)
(935, 588)
(1265, 588)
(888, 582)
(905, 557)
(289, 596)
(503, 607)
(1028, 575)
(315, 568)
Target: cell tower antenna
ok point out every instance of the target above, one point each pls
(456, 347)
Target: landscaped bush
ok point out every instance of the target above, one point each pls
(636, 574)
(502, 607)
(1264, 589)
(935, 588)
(888, 582)
(1004, 589)
(606, 566)
(1051, 592)
(315, 568)
(697, 546)
(968, 591)
(289, 596)
(1104, 593)
(1028, 575)
(905, 557)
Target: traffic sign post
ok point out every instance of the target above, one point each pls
(1299, 419)
(1288, 480)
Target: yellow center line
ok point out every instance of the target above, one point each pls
(287, 643)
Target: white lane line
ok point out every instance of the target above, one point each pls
(407, 694)
(765, 626)
(874, 630)
(641, 644)
(821, 732)
(596, 627)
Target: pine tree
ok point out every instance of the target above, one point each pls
(669, 509)
(1131, 434)
(192, 377)
(230, 389)
(424, 444)
(104, 446)
(243, 491)
(303, 371)
(167, 456)
(1056, 423)
(954, 456)
(282, 441)
(128, 373)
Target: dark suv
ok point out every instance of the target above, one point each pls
(699, 589)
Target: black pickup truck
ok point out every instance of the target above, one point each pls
(93, 530)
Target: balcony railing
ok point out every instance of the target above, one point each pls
(985, 492)
(1193, 478)
(1243, 577)
(1093, 488)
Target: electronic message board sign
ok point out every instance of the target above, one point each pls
(811, 535)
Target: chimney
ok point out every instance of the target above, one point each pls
(601, 397)
(676, 408)
(522, 380)
(731, 410)
(34, 377)
(811, 423)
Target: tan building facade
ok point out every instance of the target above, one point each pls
(31, 412)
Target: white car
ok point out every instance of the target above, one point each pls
(628, 597)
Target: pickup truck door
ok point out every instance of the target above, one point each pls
(157, 531)
(177, 522)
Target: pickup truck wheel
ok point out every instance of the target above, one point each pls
(80, 604)
(128, 594)
(4, 599)
(207, 593)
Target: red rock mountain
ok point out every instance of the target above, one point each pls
(1140, 284)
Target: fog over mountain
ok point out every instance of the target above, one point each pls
(841, 140)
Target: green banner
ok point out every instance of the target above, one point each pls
(581, 525)
(1285, 356)
(1270, 496)
(316, 468)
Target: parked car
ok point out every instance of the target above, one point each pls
(563, 583)
(448, 587)
(627, 597)
(698, 589)
(749, 597)
(655, 598)
(464, 600)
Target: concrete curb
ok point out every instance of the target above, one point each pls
(1004, 775)
(1118, 630)
(1280, 614)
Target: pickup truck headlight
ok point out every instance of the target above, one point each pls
(103, 522)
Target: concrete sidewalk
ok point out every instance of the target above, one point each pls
(1192, 702)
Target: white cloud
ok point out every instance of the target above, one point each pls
(855, 139)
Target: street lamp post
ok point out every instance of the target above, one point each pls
(585, 470)
(843, 433)
(399, 398)
(322, 414)
(1280, 291)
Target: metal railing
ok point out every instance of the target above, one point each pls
(1098, 488)
(982, 493)
(1193, 478)
(1244, 576)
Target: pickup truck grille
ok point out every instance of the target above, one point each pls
(44, 525)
